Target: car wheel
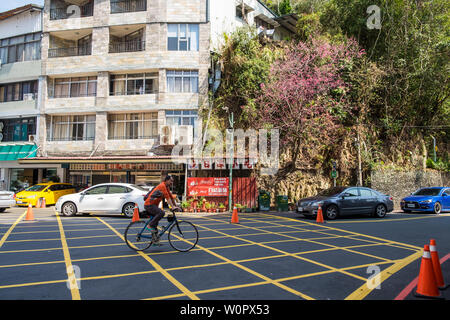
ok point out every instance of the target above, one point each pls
(406, 211)
(128, 210)
(380, 211)
(2, 210)
(331, 212)
(437, 208)
(69, 209)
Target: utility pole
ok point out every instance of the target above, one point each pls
(358, 143)
(230, 191)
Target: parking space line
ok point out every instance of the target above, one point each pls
(364, 290)
(74, 290)
(168, 276)
(6, 235)
(326, 244)
(292, 255)
(350, 232)
(303, 258)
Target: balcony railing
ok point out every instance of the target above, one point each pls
(129, 46)
(63, 13)
(70, 52)
(121, 6)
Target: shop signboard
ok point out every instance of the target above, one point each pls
(208, 187)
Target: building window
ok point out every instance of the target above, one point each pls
(181, 117)
(17, 129)
(182, 81)
(133, 126)
(73, 87)
(183, 37)
(72, 128)
(133, 84)
(18, 91)
(22, 48)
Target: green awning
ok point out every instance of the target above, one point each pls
(17, 151)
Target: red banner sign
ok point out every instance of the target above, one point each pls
(208, 187)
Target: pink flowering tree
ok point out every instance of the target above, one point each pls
(307, 96)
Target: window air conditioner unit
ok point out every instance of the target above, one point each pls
(28, 96)
(32, 138)
(185, 135)
(167, 136)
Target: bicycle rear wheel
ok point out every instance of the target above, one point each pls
(133, 236)
(183, 236)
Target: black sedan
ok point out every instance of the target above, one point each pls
(340, 201)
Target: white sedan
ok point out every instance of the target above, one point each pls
(103, 198)
(7, 200)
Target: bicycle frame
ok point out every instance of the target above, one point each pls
(164, 229)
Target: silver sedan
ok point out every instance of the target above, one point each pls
(103, 198)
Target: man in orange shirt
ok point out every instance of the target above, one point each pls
(152, 200)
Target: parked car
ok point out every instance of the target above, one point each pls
(434, 199)
(340, 201)
(51, 192)
(103, 198)
(7, 200)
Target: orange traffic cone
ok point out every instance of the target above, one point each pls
(426, 286)
(234, 216)
(38, 203)
(135, 213)
(319, 215)
(436, 265)
(30, 215)
(43, 203)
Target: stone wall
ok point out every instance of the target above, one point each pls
(400, 184)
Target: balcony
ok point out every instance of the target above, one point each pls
(70, 52)
(128, 46)
(123, 6)
(129, 38)
(70, 43)
(65, 12)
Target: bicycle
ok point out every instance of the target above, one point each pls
(182, 235)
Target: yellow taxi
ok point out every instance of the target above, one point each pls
(51, 192)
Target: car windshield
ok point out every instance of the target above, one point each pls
(427, 192)
(36, 188)
(331, 191)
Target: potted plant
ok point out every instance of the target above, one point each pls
(185, 205)
(222, 207)
(203, 203)
(207, 207)
(238, 207)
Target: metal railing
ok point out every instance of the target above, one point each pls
(128, 46)
(63, 13)
(132, 137)
(122, 6)
(69, 52)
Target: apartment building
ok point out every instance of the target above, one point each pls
(122, 81)
(20, 96)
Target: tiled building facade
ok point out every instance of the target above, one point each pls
(115, 73)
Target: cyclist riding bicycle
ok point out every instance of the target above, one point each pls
(152, 200)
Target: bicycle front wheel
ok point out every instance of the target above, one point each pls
(137, 239)
(183, 236)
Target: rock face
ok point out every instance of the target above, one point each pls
(400, 184)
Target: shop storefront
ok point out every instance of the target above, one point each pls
(15, 176)
(84, 172)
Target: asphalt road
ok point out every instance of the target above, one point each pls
(267, 256)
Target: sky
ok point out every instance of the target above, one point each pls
(6, 5)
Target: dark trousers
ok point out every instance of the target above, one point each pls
(156, 213)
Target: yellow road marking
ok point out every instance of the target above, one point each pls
(293, 255)
(157, 267)
(364, 290)
(74, 290)
(6, 235)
